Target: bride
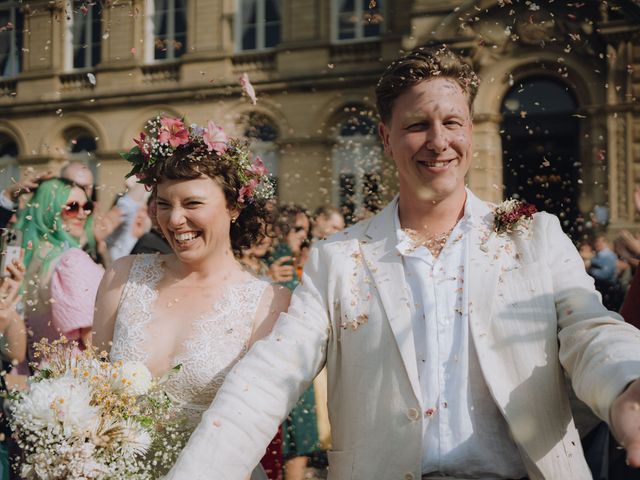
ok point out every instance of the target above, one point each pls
(196, 307)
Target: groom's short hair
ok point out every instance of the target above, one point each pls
(417, 66)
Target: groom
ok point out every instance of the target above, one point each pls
(445, 342)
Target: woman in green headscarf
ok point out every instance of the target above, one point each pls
(61, 280)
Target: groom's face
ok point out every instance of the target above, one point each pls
(428, 137)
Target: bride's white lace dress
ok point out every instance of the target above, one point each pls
(218, 341)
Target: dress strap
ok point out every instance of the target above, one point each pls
(135, 308)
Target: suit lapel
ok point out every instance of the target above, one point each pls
(386, 267)
(485, 256)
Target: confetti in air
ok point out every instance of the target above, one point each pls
(247, 88)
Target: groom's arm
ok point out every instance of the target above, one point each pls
(598, 350)
(264, 386)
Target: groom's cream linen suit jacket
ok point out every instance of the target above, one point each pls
(532, 311)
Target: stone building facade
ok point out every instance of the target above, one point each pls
(557, 118)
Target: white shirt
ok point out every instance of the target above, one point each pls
(464, 433)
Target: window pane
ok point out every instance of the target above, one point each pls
(272, 11)
(249, 38)
(346, 6)
(79, 36)
(6, 52)
(272, 35)
(371, 19)
(371, 30)
(180, 40)
(249, 11)
(96, 34)
(346, 27)
(160, 29)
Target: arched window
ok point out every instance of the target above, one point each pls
(85, 34)
(541, 147)
(166, 29)
(81, 146)
(9, 171)
(11, 23)
(263, 133)
(357, 163)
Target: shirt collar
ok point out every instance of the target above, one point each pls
(404, 243)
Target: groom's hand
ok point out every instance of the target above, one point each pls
(625, 422)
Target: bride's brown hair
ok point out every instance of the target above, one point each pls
(248, 228)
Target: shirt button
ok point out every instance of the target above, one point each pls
(409, 476)
(413, 414)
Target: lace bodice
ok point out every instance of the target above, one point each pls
(219, 339)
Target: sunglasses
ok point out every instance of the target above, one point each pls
(72, 209)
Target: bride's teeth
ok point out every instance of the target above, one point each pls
(184, 237)
(437, 164)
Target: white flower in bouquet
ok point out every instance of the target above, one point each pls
(136, 439)
(58, 401)
(132, 377)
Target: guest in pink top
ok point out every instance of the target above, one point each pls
(61, 280)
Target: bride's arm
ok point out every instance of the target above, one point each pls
(107, 301)
(274, 301)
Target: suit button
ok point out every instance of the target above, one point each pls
(413, 414)
(409, 476)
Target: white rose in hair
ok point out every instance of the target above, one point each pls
(133, 377)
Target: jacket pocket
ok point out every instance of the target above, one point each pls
(340, 465)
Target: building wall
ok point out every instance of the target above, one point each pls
(304, 84)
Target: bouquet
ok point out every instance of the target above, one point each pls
(87, 418)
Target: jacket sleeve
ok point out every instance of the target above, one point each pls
(262, 388)
(598, 350)
(74, 284)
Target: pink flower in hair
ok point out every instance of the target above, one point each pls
(215, 138)
(258, 167)
(172, 131)
(246, 192)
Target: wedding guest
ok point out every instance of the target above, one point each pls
(13, 336)
(13, 346)
(61, 280)
(150, 239)
(446, 324)
(603, 268)
(327, 220)
(100, 225)
(196, 307)
(9, 196)
(122, 240)
(254, 257)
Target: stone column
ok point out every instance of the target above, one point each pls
(485, 176)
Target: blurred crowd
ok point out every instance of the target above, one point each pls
(68, 240)
(613, 262)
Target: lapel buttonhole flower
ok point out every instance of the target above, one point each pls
(512, 215)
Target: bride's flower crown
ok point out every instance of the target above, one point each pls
(166, 136)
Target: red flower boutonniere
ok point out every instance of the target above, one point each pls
(512, 215)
